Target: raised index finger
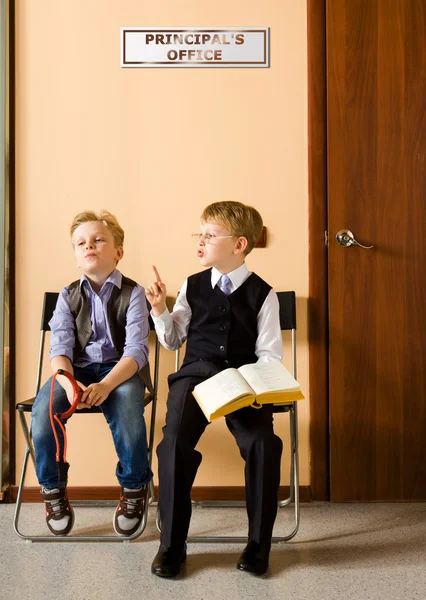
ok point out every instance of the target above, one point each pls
(156, 274)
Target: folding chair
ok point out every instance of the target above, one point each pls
(287, 302)
(50, 299)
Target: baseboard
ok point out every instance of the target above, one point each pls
(199, 493)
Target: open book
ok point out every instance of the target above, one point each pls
(250, 385)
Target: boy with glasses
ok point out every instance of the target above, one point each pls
(229, 317)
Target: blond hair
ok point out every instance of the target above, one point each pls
(241, 220)
(105, 217)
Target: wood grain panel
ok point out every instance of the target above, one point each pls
(376, 115)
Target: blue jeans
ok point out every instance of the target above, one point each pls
(123, 411)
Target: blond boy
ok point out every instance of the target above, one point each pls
(99, 333)
(229, 317)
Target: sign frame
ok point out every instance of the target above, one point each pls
(227, 34)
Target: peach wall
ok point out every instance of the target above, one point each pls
(155, 146)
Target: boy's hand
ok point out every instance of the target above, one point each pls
(95, 394)
(156, 294)
(70, 395)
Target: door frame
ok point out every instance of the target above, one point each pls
(7, 247)
(318, 271)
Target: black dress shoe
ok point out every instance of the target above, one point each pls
(255, 558)
(168, 561)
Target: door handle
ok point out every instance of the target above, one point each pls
(346, 238)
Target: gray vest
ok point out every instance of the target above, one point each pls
(117, 306)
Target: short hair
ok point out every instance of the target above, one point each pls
(240, 219)
(105, 217)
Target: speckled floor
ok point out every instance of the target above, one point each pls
(345, 551)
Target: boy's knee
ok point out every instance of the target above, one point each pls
(132, 389)
(262, 440)
(40, 424)
(40, 412)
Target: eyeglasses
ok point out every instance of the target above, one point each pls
(208, 237)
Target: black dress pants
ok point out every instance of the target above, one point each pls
(178, 461)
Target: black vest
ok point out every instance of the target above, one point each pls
(117, 306)
(223, 329)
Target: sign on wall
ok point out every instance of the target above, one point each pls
(194, 47)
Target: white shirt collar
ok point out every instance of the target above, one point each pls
(237, 276)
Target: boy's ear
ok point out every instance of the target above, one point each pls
(241, 245)
(120, 253)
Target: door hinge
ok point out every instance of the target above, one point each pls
(326, 238)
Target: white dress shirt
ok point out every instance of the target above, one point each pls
(172, 328)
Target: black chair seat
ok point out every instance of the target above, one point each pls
(281, 408)
(25, 405)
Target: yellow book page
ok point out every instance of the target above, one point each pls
(269, 398)
(231, 407)
(279, 397)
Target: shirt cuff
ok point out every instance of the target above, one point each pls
(269, 358)
(163, 322)
(139, 356)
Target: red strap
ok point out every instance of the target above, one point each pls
(56, 417)
(77, 394)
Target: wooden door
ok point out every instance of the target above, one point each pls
(376, 156)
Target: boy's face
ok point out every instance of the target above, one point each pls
(95, 250)
(223, 250)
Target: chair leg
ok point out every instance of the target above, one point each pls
(157, 519)
(295, 476)
(27, 436)
(151, 493)
(20, 492)
(290, 498)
